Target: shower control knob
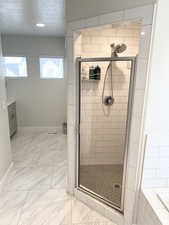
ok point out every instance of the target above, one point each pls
(108, 100)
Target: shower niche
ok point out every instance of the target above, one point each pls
(91, 73)
(104, 114)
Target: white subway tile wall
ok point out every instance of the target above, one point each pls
(156, 165)
(102, 137)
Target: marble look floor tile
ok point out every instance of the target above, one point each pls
(83, 214)
(46, 141)
(26, 158)
(59, 179)
(39, 180)
(47, 158)
(11, 204)
(46, 208)
(20, 142)
(51, 157)
(62, 142)
(29, 178)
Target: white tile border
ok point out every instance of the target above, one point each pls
(145, 15)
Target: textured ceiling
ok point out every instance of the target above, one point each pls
(21, 16)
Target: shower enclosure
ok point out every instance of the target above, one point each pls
(104, 112)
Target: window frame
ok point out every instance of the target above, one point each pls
(16, 56)
(54, 57)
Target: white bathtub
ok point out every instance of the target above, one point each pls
(163, 196)
(158, 198)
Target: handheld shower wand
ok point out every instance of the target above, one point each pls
(115, 50)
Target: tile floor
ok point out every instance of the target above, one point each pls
(35, 190)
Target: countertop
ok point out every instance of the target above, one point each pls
(10, 101)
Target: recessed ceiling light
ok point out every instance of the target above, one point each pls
(40, 25)
(143, 33)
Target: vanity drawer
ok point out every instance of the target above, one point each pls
(12, 118)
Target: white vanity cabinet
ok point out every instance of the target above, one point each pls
(12, 118)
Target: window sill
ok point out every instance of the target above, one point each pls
(51, 78)
(16, 77)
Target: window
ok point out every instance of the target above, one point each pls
(15, 66)
(51, 68)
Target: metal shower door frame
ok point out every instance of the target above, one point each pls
(133, 61)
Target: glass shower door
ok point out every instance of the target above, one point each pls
(105, 100)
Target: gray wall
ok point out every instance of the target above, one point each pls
(5, 151)
(79, 9)
(40, 102)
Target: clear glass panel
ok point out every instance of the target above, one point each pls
(104, 96)
(51, 67)
(15, 66)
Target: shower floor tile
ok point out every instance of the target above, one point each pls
(104, 180)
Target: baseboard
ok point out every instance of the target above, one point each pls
(27, 129)
(2, 181)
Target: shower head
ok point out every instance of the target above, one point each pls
(118, 48)
(121, 48)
